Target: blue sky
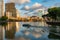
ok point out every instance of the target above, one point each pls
(29, 4)
(46, 3)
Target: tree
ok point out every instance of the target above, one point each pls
(58, 11)
(54, 12)
(3, 18)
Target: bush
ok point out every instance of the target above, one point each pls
(3, 18)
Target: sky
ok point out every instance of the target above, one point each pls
(30, 6)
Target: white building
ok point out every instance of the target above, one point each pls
(1, 8)
(40, 12)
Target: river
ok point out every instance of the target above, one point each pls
(16, 31)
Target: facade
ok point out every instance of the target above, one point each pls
(10, 10)
(1, 8)
(18, 13)
(1, 14)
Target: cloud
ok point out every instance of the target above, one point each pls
(18, 1)
(33, 7)
(36, 5)
(27, 8)
(34, 12)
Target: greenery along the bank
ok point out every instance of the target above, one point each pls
(53, 13)
(3, 18)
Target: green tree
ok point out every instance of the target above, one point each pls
(3, 18)
(54, 12)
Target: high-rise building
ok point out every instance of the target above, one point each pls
(1, 8)
(10, 10)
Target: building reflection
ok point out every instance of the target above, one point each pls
(11, 29)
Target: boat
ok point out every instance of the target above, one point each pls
(26, 25)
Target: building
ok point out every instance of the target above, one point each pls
(1, 14)
(10, 10)
(1, 8)
(12, 27)
(40, 12)
(18, 14)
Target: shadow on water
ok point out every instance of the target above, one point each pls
(53, 36)
(3, 23)
(54, 32)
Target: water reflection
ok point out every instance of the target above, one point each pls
(15, 31)
(10, 30)
(54, 32)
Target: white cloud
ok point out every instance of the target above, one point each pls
(24, 1)
(18, 1)
(34, 8)
(36, 5)
(27, 8)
